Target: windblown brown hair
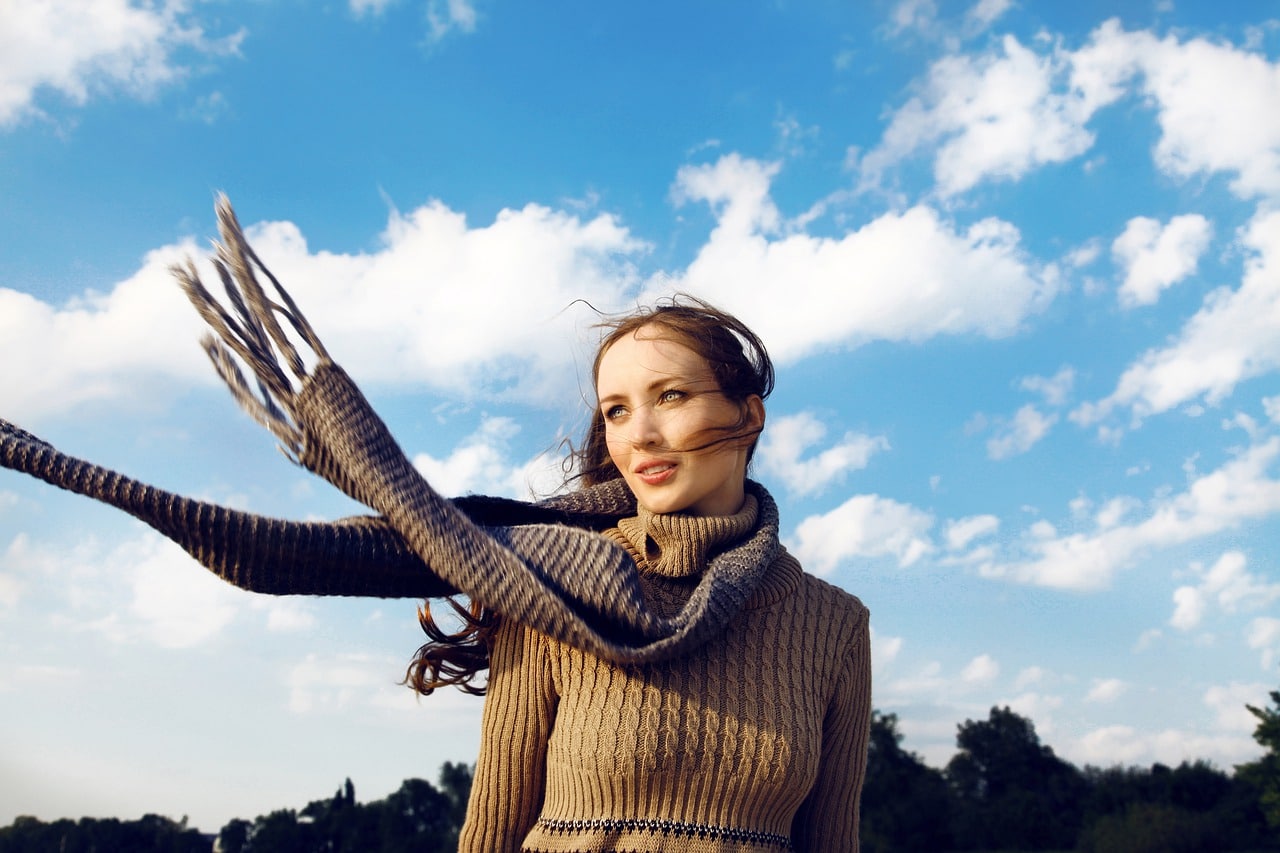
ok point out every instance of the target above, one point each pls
(742, 369)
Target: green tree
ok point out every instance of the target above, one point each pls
(905, 803)
(234, 837)
(1264, 774)
(1012, 791)
(455, 782)
(1152, 828)
(417, 817)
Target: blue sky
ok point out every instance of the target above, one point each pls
(1019, 265)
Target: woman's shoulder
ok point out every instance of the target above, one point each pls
(831, 599)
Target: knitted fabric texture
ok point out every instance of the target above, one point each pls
(757, 743)
(542, 564)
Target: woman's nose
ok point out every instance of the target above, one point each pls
(645, 430)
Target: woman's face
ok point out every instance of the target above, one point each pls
(664, 416)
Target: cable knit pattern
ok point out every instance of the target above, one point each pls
(755, 743)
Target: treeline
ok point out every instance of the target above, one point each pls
(1003, 790)
(417, 818)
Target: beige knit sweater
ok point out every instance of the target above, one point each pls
(756, 741)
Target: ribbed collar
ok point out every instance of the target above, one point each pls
(677, 546)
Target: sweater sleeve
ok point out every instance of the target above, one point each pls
(519, 711)
(829, 817)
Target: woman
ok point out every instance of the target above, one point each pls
(662, 675)
(756, 740)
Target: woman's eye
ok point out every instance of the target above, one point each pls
(613, 413)
(671, 396)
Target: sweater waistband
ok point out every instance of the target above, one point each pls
(668, 828)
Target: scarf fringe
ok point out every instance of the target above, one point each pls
(252, 332)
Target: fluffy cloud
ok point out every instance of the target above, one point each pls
(863, 526)
(447, 16)
(960, 532)
(99, 346)
(981, 670)
(480, 311)
(1055, 389)
(1203, 132)
(1230, 339)
(1001, 114)
(1226, 582)
(1019, 435)
(477, 466)
(144, 590)
(905, 276)
(1110, 745)
(1263, 635)
(1228, 704)
(990, 116)
(1155, 258)
(1239, 491)
(1106, 690)
(80, 47)
(788, 438)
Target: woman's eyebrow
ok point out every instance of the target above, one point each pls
(666, 380)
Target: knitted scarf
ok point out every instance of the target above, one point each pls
(544, 564)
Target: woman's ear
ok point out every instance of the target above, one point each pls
(755, 413)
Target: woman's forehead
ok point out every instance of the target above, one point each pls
(649, 353)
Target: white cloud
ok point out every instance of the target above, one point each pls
(1155, 258)
(1203, 131)
(1263, 635)
(1239, 491)
(448, 16)
(1235, 588)
(98, 346)
(1106, 690)
(1055, 389)
(1271, 405)
(788, 438)
(82, 47)
(884, 650)
(369, 7)
(1230, 339)
(1038, 707)
(175, 603)
(1021, 434)
(1228, 705)
(989, 116)
(478, 465)
(285, 615)
(1027, 677)
(334, 684)
(480, 311)
(983, 13)
(905, 276)
(960, 532)
(1110, 745)
(1115, 511)
(1001, 114)
(912, 15)
(1188, 608)
(863, 526)
(981, 670)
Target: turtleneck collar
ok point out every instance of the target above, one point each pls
(678, 546)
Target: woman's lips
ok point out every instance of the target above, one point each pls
(655, 473)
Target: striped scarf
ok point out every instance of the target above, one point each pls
(544, 564)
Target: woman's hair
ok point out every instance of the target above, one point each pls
(742, 369)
